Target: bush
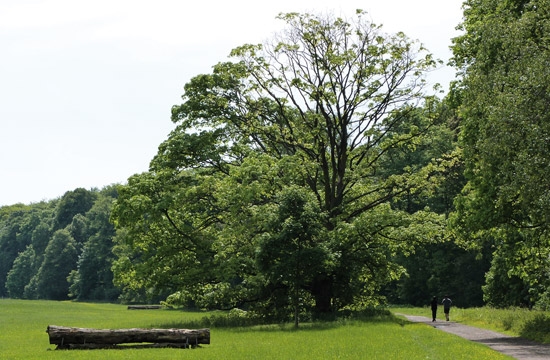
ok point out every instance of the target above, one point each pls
(537, 328)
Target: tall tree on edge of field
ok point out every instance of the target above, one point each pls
(503, 56)
(313, 109)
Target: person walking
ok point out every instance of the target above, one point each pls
(446, 306)
(434, 308)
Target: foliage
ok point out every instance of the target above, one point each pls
(93, 279)
(21, 273)
(332, 114)
(537, 329)
(442, 269)
(59, 258)
(75, 202)
(316, 109)
(436, 269)
(36, 260)
(291, 253)
(503, 56)
(502, 288)
(18, 226)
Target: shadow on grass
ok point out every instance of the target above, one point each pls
(243, 321)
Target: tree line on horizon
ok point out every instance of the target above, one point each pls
(59, 249)
(313, 174)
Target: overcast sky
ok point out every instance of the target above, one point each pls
(86, 87)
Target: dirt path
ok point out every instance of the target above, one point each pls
(518, 348)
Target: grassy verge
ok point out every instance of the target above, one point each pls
(23, 336)
(529, 324)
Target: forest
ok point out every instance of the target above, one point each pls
(316, 173)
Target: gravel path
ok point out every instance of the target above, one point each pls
(518, 348)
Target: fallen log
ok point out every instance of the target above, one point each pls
(74, 338)
(144, 307)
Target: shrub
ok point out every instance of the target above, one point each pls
(537, 328)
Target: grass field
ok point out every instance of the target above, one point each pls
(23, 336)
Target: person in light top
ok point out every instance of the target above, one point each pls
(446, 306)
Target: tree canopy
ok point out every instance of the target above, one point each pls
(40, 260)
(318, 108)
(315, 173)
(503, 56)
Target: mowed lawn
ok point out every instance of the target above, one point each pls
(23, 336)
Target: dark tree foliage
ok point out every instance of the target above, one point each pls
(291, 253)
(21, 273)
(93, 278)
(75, 202)
(503, 57)
(442, 269)
(59, 259)
(35, 259)
(17, 226)
(9, 248)
(502, 290)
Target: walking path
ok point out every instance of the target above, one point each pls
(518, 348)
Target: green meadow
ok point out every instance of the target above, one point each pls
(23, 335)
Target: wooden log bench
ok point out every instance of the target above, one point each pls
(85, 338)
(144, 307)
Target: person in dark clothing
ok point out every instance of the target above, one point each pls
(434, 308)
(446, 306)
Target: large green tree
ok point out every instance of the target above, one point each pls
(503, 56)
(77, 201)
(21, 273)
(32, 261)
(60, 258)
(18, 225)
(312, 109)
(93, 278)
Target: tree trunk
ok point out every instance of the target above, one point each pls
(322, 291)
(70, 337)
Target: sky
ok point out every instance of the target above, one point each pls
(86, 87)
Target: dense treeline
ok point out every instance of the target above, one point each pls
(59, 249)
(503, 59)
(314, 173)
